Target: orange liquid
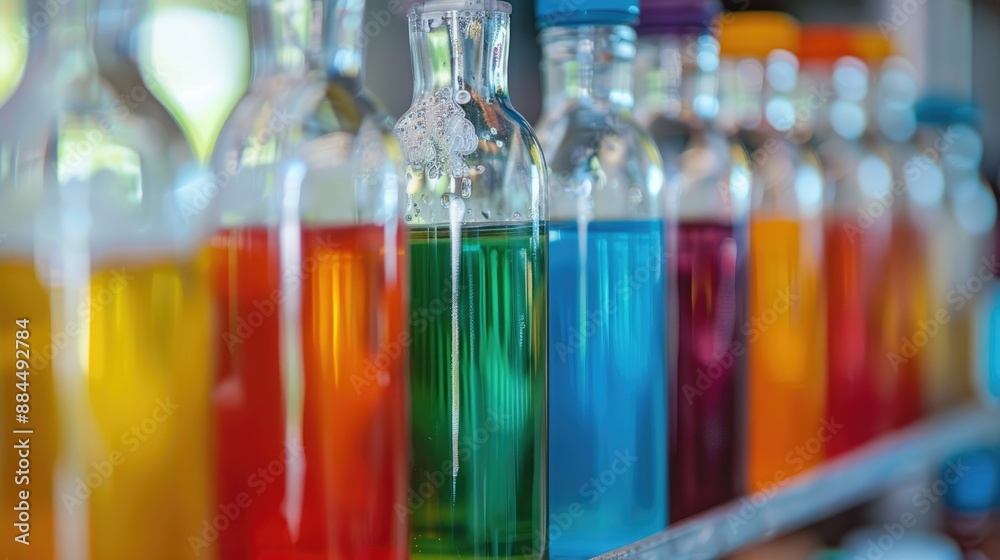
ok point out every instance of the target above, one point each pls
(900, 308)
(332, 493)
(787, 375)
(23, 297)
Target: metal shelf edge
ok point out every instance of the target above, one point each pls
(834, 486)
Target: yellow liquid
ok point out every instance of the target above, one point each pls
(136, 435)
(787, 373)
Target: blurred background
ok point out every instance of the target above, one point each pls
(198, 54)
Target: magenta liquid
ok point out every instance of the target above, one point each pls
(711, 355)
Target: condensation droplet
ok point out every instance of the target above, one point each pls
(468, 212)
(445, 201)
(480, 169)
(462, 97)
(493, 130)
(486, 214)
(517, 215)
(408, 217)
(466, 187)
(425, 198)
(500, 143)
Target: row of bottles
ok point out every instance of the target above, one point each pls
(358, 339)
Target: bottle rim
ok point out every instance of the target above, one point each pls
(445, 6)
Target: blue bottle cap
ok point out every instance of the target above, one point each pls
(558, 13)
(946, 111)
(974, 480)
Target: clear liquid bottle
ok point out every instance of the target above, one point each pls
(106, 298)
(610, 279)
(786, 325)
(857, 227)
(308, 275)
(476, 207)
(961, 250)
(902, 278)
(678, 102)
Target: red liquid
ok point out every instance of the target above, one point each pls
(901, 304)
(852, 255)
(712, 295)
(333, 495)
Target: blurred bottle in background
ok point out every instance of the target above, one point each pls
(961, 248)
(786, 324)
(677, 102)
(308, 273)
(609, 278)
(902, 280)
(833, 122)
(476, 207)
(106, 296)
(972, 503)
(986, 354)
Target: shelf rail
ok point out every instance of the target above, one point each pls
(833, 487)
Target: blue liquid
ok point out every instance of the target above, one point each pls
(607, 386)
(989, 346)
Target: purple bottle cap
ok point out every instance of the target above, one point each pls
(657, 17)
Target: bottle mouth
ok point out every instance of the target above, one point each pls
(439, 6)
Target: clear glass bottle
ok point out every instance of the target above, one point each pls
(106, 298)
(961, 248)
(308, 275)
(476, 207)
(857, 234)
(901, 301)
(678, 102)
(786, 325)
(609, 276)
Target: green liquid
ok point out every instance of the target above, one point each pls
(490, 336)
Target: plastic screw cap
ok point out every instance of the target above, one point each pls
(757, 34)
(568, 13)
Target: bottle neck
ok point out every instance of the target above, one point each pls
(64, 38)
(588, 64)
(316, 35)
(679, 76)
(116, 44)
(462, 50)
(759, 94)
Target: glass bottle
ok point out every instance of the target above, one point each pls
(902, 277)
(986, 357)
(609, 276)
(857, 234)
(107, 299)
(476, 208)
(960, 250)
(785, 329)
(677, 102)
(308, 275)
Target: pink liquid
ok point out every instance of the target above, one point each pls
(712, 295)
